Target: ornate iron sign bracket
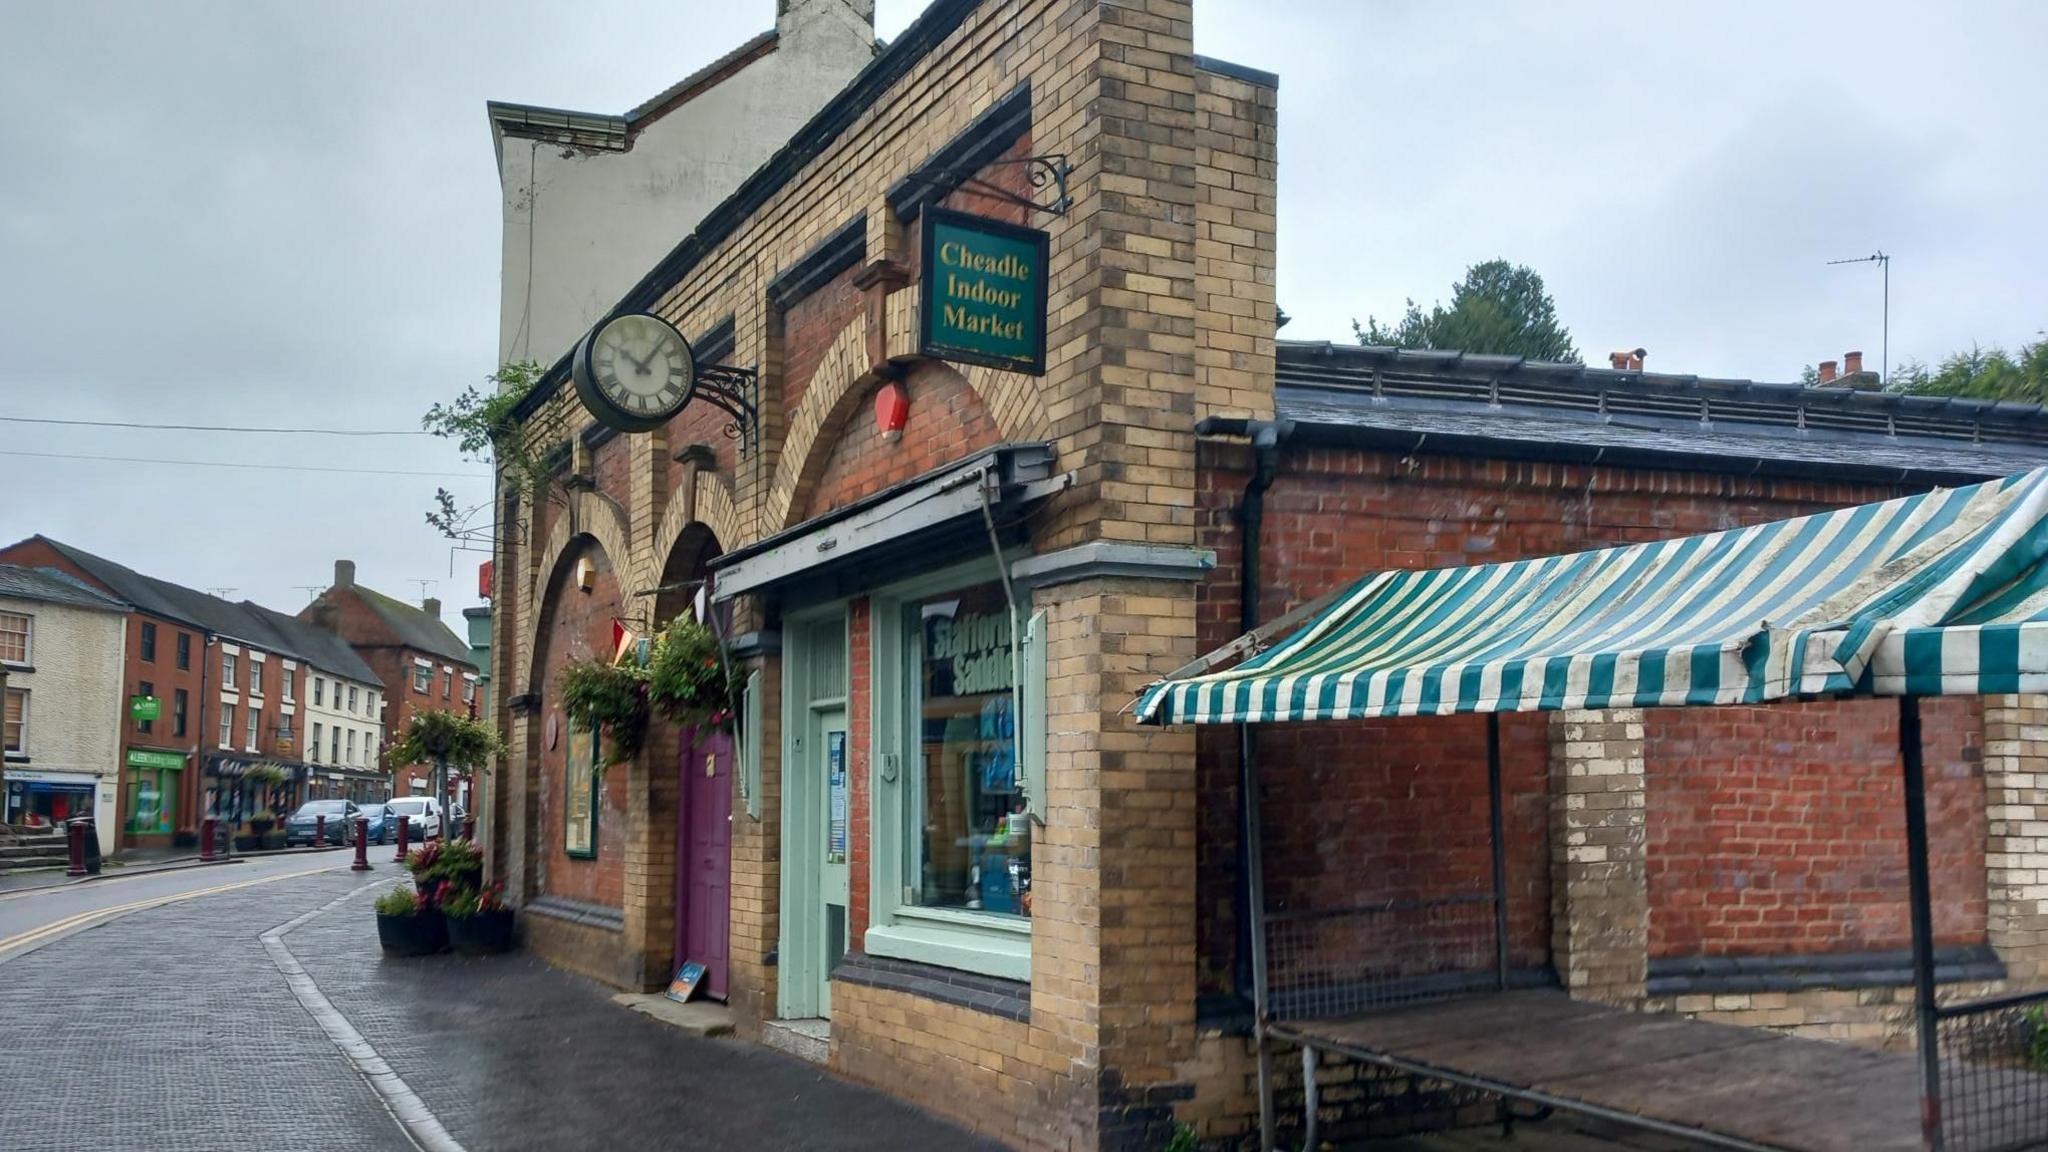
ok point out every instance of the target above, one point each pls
(1048, 171)
(735, 391)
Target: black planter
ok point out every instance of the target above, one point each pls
(244, 842)
(414, 934)
(482, 934)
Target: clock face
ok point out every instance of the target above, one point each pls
(635, 372)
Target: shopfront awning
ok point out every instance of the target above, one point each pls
(1944, 593)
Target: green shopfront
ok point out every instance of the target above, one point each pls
(153, 780)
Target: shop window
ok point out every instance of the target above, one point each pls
(15, 629)
(954, 828)
(184, 650)
(581, 779)
(148, 642)
(14, 730)
(152, 801)
(145, 688)
(179, 701)
(227, 725)
(315, 757)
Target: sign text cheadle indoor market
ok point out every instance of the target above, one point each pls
(983, 292)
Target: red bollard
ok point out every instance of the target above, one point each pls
(74, 835)
(206, 834)
(362, 863)
(404, 829)
(319, 831)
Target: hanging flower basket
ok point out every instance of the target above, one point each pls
(435, 734)
(689, 679)
(612, 697)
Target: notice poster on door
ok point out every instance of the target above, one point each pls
(835, 776)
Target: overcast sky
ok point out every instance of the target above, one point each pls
(288, 214)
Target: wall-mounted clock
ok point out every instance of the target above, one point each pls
(634, 372)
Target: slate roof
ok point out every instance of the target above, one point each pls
(245, 622)
(415, 628)
(51, 586)
(1404, 399)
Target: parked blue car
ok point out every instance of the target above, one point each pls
(302, 826)
(382, 826)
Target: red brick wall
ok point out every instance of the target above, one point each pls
(578, 626)
(947, 421)
(808, 328)
(1782, 829)
(1342, 801)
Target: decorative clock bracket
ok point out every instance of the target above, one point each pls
(1048, 171)
(736, 392)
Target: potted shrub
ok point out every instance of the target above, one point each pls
(609, 696)
(409, 925)
(479, 924)
(260, 823)
(454, 863)
(273, 839)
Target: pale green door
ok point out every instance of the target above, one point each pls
(835, 774)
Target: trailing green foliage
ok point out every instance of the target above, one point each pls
(610, 696)
(482, 425)
(688, 677)
(1183, 1140)
(1981, 374)
(1497, 309)
(434, 734)
(463, 903)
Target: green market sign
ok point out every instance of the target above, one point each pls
(144, 758)
(982, 289)
(141, 708)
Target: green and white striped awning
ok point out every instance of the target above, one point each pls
(1944, 593)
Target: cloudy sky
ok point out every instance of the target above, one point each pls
(288, 215)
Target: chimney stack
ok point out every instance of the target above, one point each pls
(344, 573)
(431, 607)
(1627, 361)
(1852, 363)
(1827, 372)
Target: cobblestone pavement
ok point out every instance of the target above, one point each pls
(172, 1029)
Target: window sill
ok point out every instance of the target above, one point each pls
(946, 943)
(13, 666)
(968, 918)
(17, 757)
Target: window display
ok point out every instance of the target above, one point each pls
(973, 847)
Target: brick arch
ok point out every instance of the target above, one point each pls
(588, 516)
(714, 509)
(835, 391)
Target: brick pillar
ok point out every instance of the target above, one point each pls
(1600, 904)
(756, 898)
(2016, 823)
(1113, 925)
(649, 876)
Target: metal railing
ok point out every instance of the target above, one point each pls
(1327, 963)
(1994, 1073)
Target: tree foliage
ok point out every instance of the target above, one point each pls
(1498, 308)
(1981, 374)
(432, 734)
(482, 425)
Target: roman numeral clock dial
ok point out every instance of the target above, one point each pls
(635, 372)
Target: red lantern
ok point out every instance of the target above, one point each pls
(892, 409)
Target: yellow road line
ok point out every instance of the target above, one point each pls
(82, 919)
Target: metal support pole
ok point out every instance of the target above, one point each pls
(1923, 922)
(1500, 857)
(1255, 884)
(1311, 1100)
(441, 794)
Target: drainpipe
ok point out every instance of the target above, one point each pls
(1266, 437)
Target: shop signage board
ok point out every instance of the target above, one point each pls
(162, 761)
(141, 708)
(982, 292)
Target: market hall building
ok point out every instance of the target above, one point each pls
(989, 399)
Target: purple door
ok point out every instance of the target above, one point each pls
(704, 855)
